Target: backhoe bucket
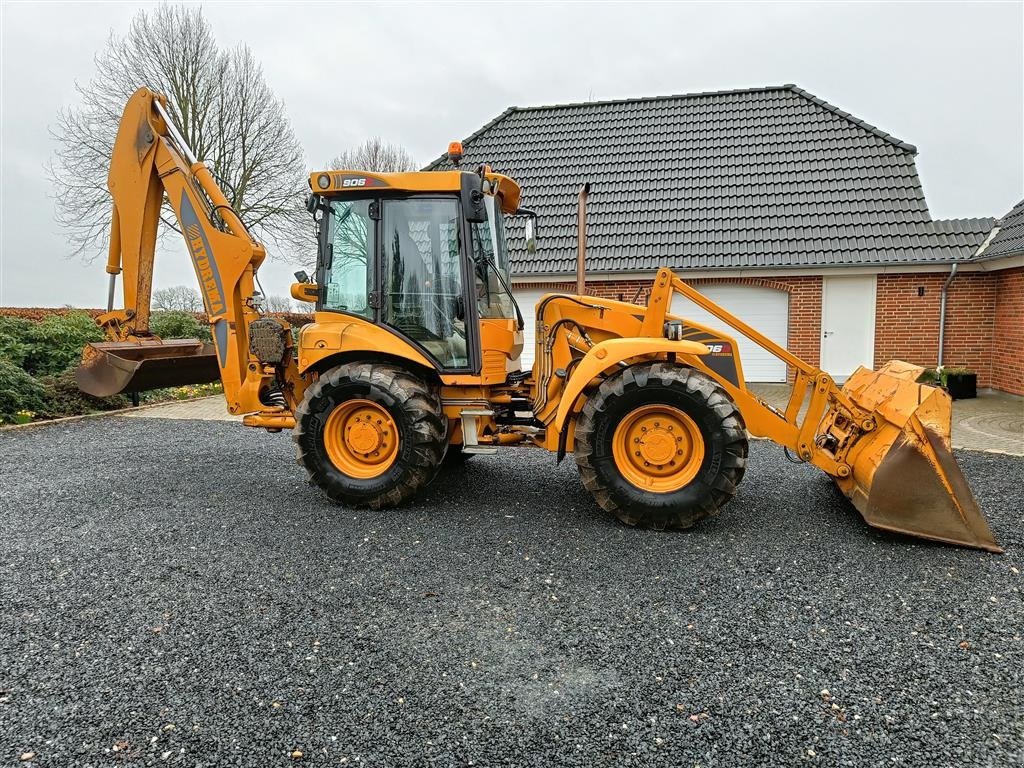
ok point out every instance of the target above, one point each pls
(111, 367)
(904, 477)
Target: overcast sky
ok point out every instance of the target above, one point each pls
(946, 77)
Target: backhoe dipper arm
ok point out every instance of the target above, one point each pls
(151, 159)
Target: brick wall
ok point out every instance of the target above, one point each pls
(907, 323)
(1008, 332)
(970, 324)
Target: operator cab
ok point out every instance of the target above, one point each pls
(423, 255)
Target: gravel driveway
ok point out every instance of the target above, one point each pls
(173, 593)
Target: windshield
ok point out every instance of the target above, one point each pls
(489, 253)
(349, 251)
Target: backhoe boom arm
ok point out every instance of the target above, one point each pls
(151, 160)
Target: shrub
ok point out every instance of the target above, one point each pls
(56, 342)
(178, 325)
(952, 370)
(15, 339)
(18, 391)
(62, 397)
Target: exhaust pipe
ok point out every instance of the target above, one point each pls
(581, 240)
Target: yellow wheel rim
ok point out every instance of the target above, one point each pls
(658, 448)
(361, 439)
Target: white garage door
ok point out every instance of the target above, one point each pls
(527, 299)
(765, 309)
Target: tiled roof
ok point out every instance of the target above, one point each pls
(765, 177)
(1009, 240)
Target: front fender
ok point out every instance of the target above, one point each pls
(610, 353)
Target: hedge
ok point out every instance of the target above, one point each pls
(40, 347)
(19, 392)
(64, 398)
(179, 325)
(36, 314)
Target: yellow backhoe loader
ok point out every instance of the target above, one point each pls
(414, 349)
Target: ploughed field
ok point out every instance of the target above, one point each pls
(173, 593)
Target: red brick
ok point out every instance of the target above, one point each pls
(907, 325)
(1008, 334)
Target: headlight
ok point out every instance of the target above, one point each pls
(323, 181)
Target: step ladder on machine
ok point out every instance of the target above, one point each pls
(470, 429)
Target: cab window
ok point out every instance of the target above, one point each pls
(347, 258)
(490, 256)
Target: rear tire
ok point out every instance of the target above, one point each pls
(370, 434)
(661, 446)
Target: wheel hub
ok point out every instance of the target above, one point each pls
(658, 448)
(361, 438)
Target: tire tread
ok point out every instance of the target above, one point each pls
(389, 385)
(713, 495)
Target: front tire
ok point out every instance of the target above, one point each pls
(661, 446)
(370, 434)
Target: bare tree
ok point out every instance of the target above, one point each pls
(225, 110)
(277, 303)
(178, 298)
(375, 154)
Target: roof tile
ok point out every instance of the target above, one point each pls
(763, 177)
(1009, 238)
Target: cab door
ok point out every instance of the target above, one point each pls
(423, 292)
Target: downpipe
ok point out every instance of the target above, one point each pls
(942, 313)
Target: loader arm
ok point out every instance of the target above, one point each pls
(151, 160)
(789, 429)
(883, 437)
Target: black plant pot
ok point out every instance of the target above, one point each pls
(962, 386)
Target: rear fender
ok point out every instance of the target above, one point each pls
(345, 334)
(610, 354)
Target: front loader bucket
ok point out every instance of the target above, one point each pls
(904, 477)
(111, 367)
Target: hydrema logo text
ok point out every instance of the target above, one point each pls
(196, 241)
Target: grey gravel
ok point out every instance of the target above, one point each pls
(173, 593)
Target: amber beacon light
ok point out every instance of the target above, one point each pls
(455, 153)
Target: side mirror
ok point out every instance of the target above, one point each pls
(305, 292)
(531, 236)
(302, 276)
(472, 194)
(312, 203)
